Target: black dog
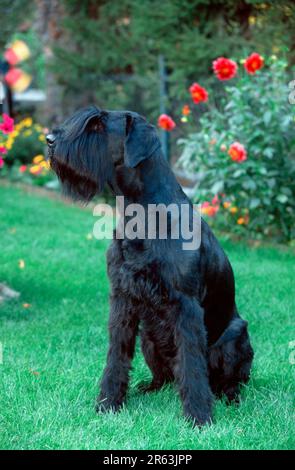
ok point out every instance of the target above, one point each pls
(183, 301)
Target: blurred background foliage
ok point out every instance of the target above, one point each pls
(108, 51)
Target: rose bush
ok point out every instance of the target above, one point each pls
(244, 151)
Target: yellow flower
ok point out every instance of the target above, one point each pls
(45, 165)
(241, 221)
(233, 210)
(27, 122)
(41, 138)
(35, 169)
(38, 159)
(226, 204)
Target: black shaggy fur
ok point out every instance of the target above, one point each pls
(181, 302)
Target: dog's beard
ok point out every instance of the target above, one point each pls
(74, 185)
(80, 158)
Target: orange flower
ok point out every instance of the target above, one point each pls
(208, 209)
(198, 93)
(225, 69)
(253, 63)
(233, 210)
(237, 152)
(226, 204)
(166, 122)
(212, 211)
(186, 110)
(240, 221)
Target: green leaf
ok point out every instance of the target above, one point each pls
(267, 117)
(255, 202)
(282, 198)
(249, 184)
(238, 173)
(217, 187)
(268, 152)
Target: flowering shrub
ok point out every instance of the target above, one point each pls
(24, 141)
(244, 151)
(6, 128)
(22, 148)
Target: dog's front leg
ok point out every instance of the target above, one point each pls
(123, 326)
(191, 364)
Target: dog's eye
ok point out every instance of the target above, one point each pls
(96, 125)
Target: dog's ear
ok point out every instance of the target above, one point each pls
(141, 141)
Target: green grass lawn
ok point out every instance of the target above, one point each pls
(54, 351)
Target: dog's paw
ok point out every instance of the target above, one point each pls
(199, 420)
(232, 395)
(198, 417)
(104, 405)
(147, 387)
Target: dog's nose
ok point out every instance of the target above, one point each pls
(50, 138)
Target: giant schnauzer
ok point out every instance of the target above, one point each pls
(182, 302)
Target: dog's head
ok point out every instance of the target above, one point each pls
(86, 150)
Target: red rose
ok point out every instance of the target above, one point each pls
(198, 93)
(3, 150)
(225, 69)
(253, 63)
(1, 162)
(7, 125)
(22, 168)
(237, 152)
(166, 122)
